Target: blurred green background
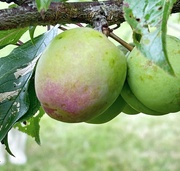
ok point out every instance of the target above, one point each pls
(127, 143)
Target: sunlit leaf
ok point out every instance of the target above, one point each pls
(148, 18)
(31, 32)
(11, 36)
(31, 127)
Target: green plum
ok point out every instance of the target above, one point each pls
(114, 110)
(79, 75)
(154, 87)
(134, 103)
(129, 110)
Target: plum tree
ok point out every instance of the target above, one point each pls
(79, 75)
(66, 73)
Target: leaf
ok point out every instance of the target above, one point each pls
(16, 71)
(5, 142)
(11, 36)
(34, 103)
(29, 123)
(31, 32)
(148, 18)
(31, 126)
(42, 5)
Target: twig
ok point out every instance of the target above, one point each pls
(122, 42)
(109, 33)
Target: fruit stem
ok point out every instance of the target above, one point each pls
(122, 42)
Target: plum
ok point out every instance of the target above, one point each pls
(79, 75)
(153, 86)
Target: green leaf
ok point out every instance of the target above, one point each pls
(16, 71)
(43, 5)
(31, 126)
(148, 18)
(5, 142)
(31, 32)
(34, 103)
(11, 36)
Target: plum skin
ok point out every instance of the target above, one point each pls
(79, 75)
(153, 86)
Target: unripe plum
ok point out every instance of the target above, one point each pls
(79, 75)
(154, 87)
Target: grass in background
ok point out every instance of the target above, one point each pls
(127, 143)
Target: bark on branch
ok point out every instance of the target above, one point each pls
(84, 12)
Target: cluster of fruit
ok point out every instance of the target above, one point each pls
(83, 77)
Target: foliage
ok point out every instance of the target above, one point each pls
(11, 36)
(17, 96)
(31, 126)
(148, 20)
(18, 101)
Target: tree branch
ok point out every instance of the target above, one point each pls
(64, 13)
